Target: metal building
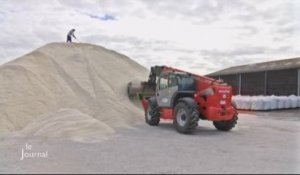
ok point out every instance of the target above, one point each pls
(268, 78)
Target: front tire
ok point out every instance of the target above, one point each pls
(185, 117)
(226, 125)
(152, 115)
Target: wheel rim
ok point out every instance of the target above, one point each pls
(181, 117)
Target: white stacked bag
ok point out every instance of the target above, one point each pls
(266, 102)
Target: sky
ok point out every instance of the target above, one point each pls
(201, 36)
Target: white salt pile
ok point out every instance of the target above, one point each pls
(266, 102)
(68, 91)
(68, 123)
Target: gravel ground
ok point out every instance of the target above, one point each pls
(263, 142)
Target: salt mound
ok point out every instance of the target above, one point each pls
(68, 124)
(87, 78)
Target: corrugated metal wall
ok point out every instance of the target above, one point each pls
(279, 82)
(282, 82)
(253, 83)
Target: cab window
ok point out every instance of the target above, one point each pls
(163, 82)
(172, 80)
(186, 83)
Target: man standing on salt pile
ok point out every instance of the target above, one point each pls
(70, 34)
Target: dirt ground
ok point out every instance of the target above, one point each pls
(263, 142)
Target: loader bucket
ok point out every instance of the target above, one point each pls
(134, 88)
(140, 89)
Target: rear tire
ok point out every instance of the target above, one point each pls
(152, 115)
(185, 117)
(226, 125)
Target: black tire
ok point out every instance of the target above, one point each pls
(152, 115)
(186, 117)
(226, 125)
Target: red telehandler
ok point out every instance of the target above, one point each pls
(185, 98)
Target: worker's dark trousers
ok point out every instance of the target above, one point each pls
(69, 39)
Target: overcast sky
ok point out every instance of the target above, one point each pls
(201, 36)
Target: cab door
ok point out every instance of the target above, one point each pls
(167, 86)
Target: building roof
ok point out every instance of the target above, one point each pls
(258, 67)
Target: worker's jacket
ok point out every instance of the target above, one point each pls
(71, 33)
